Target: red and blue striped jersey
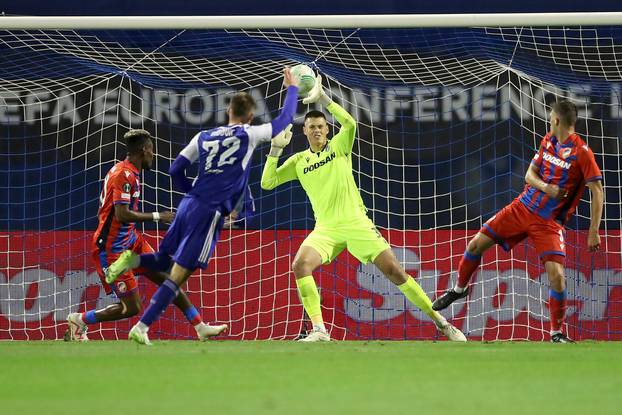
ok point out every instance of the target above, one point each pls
(121, 185)
(570, 166)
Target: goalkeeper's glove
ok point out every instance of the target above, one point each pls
(280, 140)
(317, 93)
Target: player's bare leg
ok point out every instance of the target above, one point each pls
(127, 307)
(306, 261)
(388, 264)
(159, 302)
(204, 330)
(557, 301)
(468, 264)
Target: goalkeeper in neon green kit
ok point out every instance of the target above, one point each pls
(325, 172)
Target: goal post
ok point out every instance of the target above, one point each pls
(382, 21)
(449, 110)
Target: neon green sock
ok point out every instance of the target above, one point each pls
(417, 296)
(310, 297)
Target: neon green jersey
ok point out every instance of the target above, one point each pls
(326, 176)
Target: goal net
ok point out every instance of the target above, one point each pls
(448, 121)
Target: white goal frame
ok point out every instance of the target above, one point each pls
(122, 78)
(306, 21)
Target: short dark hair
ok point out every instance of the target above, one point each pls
(567, 112)
(242, 104)
(135, 140)
(314, 114)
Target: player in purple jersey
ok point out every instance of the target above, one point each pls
(224, 156)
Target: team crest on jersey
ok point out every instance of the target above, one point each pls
(126, 188)
(121, 287)
(565, 153)
(307, 158)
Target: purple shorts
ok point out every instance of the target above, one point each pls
(193, 234)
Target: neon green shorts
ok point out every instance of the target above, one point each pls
(360, 237)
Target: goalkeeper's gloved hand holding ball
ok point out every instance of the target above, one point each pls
(280, 140)
(317, 93)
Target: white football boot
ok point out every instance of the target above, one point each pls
(316, 336)
(451, 332)
(205, 331)
(139, 336)
(76, 329)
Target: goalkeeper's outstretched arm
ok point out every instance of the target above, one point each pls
(345, 137)
(347, 132)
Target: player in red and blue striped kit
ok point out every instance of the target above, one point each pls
(556, 179)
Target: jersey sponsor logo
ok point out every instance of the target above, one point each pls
(554, 160)
(565, 153)
(319, 164)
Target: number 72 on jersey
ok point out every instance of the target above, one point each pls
(225, 150)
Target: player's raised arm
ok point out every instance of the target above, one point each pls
(264, 132)
(345, 137)
(286, 116)
(273, 176)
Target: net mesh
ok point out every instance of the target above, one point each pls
(448, 121)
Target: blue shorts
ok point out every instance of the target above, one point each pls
(193, 234)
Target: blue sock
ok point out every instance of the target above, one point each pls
(156, 261)
(192, 315)
(160, 300)
(89, 317)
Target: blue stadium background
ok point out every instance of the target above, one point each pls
(34, 173)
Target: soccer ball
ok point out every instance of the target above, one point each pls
(306, 78)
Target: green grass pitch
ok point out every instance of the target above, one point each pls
(284, 377)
